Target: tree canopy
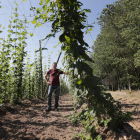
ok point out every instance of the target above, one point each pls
(116, 49)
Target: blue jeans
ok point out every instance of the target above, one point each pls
(57, 91)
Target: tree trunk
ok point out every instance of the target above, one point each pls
(112, 87)
(118, 82)
(129, 85)
(129, 82)
(118, 86)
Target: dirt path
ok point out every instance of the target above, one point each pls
(131, 103)
(31, 122)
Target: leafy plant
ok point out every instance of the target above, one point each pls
(68, 17)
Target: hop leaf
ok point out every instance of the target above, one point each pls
(79, 82)
(16, 15)
(31, 34)
(38, 24)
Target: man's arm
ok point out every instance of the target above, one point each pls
(45, 77)
(62, 72)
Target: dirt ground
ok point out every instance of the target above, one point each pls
(29, 121)
(131, 103)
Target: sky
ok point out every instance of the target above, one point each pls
(7, 10)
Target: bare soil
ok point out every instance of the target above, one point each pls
(130, 102)
(29, 121)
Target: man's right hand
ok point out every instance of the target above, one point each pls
(46, 79)
(48, 83)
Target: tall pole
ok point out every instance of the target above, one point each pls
(59, 57)
(41, 75)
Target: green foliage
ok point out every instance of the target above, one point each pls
(116, 49)
(18, 79)
(63, 86)
(4, 69)
(41, 49)
(137, 59)
(86, 87)
(31, 34)
(69, 18)
(13, 49)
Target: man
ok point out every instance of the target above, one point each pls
(53, 85)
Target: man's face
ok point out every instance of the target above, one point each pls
(54, 65)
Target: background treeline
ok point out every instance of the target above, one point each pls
(116, 51)
(19, 78)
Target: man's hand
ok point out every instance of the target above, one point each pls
(48, 83)
(45, 77)
(66, 73)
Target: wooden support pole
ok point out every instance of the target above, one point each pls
(41, 74)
